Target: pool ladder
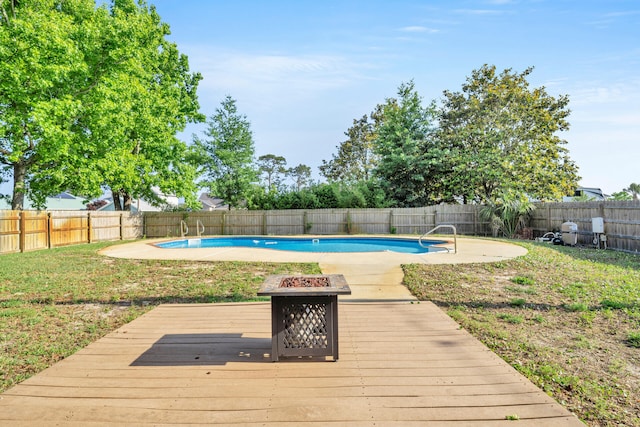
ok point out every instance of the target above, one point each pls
(455, 240)
(184, 229)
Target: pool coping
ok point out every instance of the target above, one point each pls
(469, 250)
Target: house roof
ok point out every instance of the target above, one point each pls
(212, 203)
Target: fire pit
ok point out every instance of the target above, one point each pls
(304, 314)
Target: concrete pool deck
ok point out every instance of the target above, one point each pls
(372, 276)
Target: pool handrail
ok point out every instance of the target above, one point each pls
(184, 230)
(199, 228)
(455, 240)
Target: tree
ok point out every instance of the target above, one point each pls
(621, 195)
(355, 159)
(41, 73)
(634, 190)
(498, 134)
(301, 176)
(101, 109)
(273, 167)
(227, 154)
(403, 146)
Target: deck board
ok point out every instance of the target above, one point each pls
(400, 364)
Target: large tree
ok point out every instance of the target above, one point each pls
(403, 145)
(499, 135)
(93, 98)
(42, 76)
(355, 159)
(228, 154)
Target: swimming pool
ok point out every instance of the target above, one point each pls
(317, 244)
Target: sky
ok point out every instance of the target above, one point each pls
(302, 71)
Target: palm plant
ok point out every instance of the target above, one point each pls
(508, 213)
(634, 189)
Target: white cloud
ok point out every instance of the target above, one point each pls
(598, 93)
(272, 73)
(418, 29)
(479, 11)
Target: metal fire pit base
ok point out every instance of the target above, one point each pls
(304, 320)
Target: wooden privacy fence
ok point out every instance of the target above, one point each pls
(318, 221)
(621, 221)
(30, 230)
(22, 231)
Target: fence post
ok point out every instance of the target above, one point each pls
(223, 220)
(88, 227)
(121, 225)
(391, 221)
(23, 229)
(304, 222)
(49, 230)
(264, 223)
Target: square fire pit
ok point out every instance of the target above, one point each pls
(304, 314)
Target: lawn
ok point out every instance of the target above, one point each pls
(54, 302)
(567, 318)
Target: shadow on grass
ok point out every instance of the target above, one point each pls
(567, 308)
(139, 302)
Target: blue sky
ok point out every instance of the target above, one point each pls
(301, 71)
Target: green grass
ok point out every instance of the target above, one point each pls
(54, 302)
(576, 335)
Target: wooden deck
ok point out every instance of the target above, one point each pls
(400, 364)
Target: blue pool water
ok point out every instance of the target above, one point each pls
(328, 244)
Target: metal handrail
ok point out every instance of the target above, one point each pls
(455, 240)
(199, 228)
(184, 230)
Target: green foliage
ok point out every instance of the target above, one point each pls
(621, 195)
(322, 196)
(408, 166)
(273, 169)
(634, 190)
(523, 280)
(577, 306)
(508, 214)
(355, 159)
(301, 176)
(633, 339)
(500, 135)
(94, 97)
(227, 155)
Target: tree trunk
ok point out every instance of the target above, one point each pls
(19, 175)
(117, 205)
(126, 197)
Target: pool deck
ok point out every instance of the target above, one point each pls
(402, 362)
(372, 276)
